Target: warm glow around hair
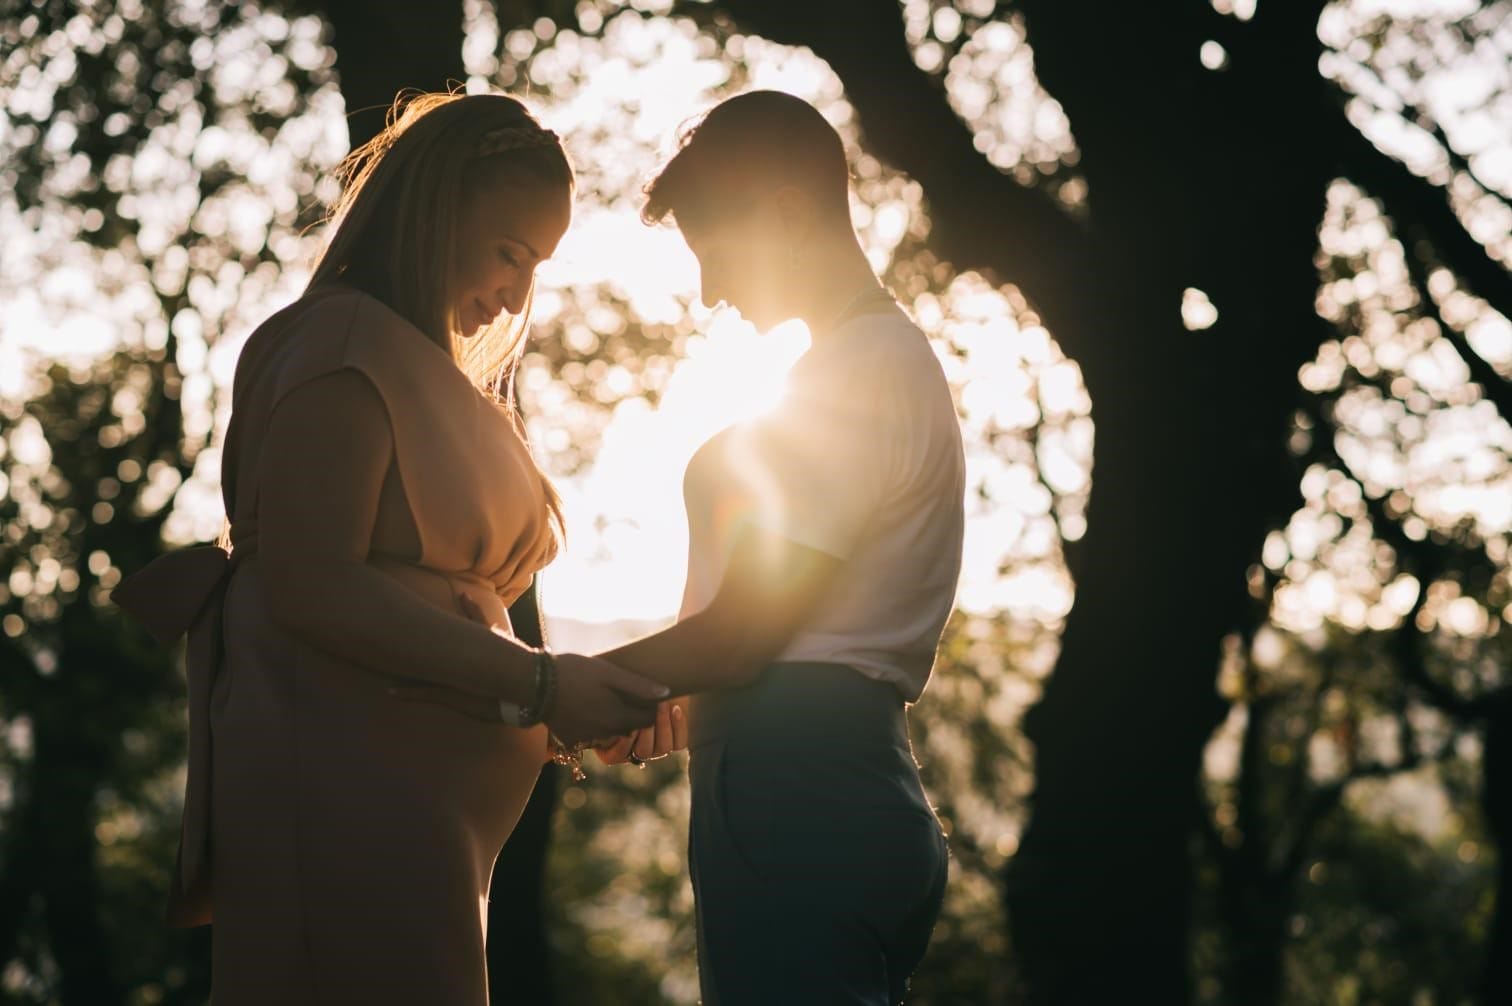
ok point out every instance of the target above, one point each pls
(746, 146)
(393, 233)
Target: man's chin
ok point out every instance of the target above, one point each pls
(762, 321)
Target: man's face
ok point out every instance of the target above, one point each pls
(746, 261)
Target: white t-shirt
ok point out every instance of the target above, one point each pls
(862, 460)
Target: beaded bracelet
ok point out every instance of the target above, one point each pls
(543, 692)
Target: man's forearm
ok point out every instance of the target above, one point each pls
(699, 654)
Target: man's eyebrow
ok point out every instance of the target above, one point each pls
(522, 244)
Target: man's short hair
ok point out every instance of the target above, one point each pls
(744, 148)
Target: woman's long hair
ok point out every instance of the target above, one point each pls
(393, 232)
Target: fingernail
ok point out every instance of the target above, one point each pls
(677, 712)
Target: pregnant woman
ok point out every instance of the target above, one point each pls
(382, 501)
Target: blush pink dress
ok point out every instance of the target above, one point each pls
(341, 840)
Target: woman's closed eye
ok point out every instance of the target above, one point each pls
(509, 258)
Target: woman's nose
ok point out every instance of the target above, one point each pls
(516, 291)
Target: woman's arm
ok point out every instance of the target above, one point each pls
(327, 450)
(770, 588)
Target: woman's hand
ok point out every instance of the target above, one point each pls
(594, 698)
(597, 699)
(479, 707)
(669, 734)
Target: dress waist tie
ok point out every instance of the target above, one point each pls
(181, 594)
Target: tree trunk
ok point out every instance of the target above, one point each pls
(1188, 188)
(1496, 801)
(64, 781)
(519, 957)
(1191, 465)
(384, 48)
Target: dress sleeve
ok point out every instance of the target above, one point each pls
(427, 399)
(315, 346)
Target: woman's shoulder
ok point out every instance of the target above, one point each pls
(321, 315)
(337, 313)
(336, 328)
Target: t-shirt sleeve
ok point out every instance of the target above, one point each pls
(820, 467)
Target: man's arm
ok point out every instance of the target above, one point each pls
(770, 588)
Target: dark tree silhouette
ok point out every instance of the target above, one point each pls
(1191, 467)
(382, 49)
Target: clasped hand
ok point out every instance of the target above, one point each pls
(670, 733)
(594, 700)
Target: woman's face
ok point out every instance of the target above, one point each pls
(507, 229)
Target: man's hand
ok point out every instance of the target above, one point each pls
(668, 734)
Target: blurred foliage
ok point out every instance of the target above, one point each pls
(92, 764)
(600, 354)
(156, 164)
(1379, 915)
(1381, 636)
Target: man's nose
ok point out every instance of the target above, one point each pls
(709, 292)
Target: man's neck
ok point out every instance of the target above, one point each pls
(836, 279)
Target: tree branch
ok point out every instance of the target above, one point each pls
(1326, 798)
(980, 217)
(1422, 212)
(1409, 112)
(380, 47)
(1496, 387)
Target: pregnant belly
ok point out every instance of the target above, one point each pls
(427, 757)
(446, 591)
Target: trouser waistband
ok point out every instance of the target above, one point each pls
(803, 704)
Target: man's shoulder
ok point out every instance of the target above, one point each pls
(887, 345)
(900, 358)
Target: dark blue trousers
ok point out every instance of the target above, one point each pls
(818, 866)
